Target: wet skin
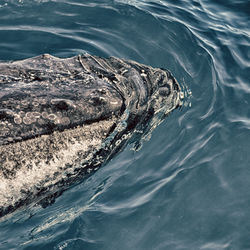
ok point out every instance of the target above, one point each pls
(62, 118)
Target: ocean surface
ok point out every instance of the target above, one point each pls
(188, 187)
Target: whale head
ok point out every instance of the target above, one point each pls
(60, 119)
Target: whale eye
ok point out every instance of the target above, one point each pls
(62, 105)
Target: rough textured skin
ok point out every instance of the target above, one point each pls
(62, 118)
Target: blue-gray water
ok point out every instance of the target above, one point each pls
(189, 185)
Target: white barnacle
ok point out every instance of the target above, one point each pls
(25, 102)
(29, 115)
(21, 113)
(125, 136)
(117, 142)
(17, 120)
(27, 120)
(44, 115)
(65, 121)
(35, 103)
(52, 117)
(36, 114)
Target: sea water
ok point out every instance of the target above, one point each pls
(188, 187)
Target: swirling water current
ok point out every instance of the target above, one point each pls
(188, 187)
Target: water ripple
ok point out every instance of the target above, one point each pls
(187, 188)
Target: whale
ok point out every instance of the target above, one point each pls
(63, 118)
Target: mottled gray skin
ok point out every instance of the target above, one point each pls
(50, 107)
